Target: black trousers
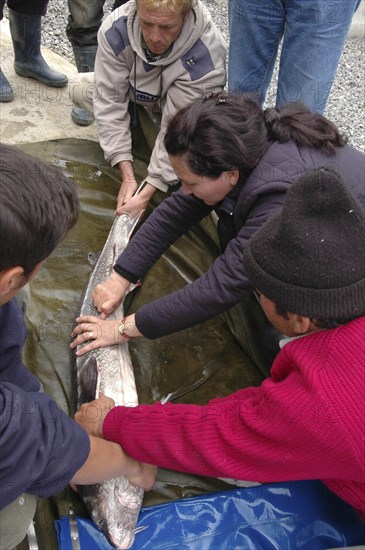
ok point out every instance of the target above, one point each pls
(30, 7)
(85, 19)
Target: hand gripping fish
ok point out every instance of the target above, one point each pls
(113, 505)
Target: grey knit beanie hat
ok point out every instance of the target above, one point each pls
(310, 258)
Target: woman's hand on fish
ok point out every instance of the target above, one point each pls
(92, 332)
(108, 295)
(91, 415)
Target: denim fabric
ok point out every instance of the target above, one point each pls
(313, 32)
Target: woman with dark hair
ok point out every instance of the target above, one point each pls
(236, 159)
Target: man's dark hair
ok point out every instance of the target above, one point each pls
(38, 205)
(320, 323)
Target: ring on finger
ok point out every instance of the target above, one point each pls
(90, 334)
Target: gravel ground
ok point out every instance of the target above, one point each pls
(346, 103)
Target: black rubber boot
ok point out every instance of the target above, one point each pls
(25, 32)
(85, 60)
(6, 91)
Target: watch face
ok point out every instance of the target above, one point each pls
(121, 327)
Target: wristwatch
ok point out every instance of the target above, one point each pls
(121, 329)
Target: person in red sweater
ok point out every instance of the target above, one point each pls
(306, 421)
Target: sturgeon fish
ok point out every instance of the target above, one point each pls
(113, 505)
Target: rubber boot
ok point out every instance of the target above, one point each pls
(25, 32)
(6, 91)
(85, 60)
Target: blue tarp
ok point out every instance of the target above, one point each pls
(295, 515)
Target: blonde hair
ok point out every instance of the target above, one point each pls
(176, 6)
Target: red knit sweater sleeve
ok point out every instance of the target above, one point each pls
(290, 427)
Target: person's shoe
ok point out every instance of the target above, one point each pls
(85, 60)
(25, 32)
(81, 117)
(6, 91)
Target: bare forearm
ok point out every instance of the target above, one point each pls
(107, 460)
(147, 191)
(125, 168)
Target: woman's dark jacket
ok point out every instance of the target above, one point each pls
(241, 213)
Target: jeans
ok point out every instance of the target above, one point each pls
(313, 32)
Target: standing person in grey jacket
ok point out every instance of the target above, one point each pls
(153, 58)
(232, 157)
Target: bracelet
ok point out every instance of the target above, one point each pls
(121, 329)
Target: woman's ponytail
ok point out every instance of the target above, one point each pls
(297, 123)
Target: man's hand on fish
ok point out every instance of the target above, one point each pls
(126, 191)
(136, 204)
(107, 460)
(144, 475)
(108, 295)
(91, 415)
(128, 180)
(102, 332)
